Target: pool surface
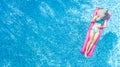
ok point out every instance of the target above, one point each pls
(50, 33)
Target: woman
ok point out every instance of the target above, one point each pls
(99, 22)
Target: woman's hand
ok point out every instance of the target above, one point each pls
(101, 27)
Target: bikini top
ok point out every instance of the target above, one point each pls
(100, 21)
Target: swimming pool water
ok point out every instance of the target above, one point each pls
(50, 33)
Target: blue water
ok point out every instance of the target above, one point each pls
(50, 33)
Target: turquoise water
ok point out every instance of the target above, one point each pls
(50, 33)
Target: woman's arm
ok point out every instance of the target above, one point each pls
(94, 18)
(104, 25)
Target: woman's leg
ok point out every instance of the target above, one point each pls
(90, 41)
(93, 41)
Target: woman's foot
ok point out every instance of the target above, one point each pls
(86, 54)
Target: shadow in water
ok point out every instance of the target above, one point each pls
(103, 48)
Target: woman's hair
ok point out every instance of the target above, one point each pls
(107, 15)
(103, 13)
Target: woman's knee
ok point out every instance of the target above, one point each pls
(95, 38)
(90, 41)
(93, 41)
